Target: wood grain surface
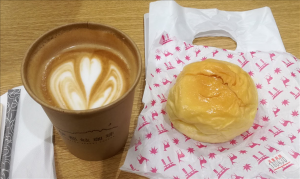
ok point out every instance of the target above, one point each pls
(24, 21)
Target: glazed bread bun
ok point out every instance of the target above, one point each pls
(212, 101)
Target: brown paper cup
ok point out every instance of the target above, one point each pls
(93, 134)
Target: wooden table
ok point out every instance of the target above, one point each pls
(24, 21)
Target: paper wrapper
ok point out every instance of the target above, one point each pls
(32, 152)
(269, 149)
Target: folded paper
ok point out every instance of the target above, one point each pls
(33, 153)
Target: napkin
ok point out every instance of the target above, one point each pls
(32, 152)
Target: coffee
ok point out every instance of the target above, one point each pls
(84, 66)
(84, 77)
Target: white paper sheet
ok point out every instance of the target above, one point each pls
(33, 152)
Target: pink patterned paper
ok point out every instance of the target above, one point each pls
(158, 150)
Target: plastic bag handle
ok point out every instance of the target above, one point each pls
(252, 30)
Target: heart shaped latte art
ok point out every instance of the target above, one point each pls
(78, 82)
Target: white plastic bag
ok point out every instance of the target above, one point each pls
(251, 30)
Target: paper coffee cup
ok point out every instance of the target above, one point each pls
(91, 134)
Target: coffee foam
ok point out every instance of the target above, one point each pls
(89, 72)
(114, 85)
(85, 79)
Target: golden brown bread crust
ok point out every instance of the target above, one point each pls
(212, 101)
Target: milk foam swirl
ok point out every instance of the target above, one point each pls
(86, 83)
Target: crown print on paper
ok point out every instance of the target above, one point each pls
(275, 92)
(167, 165)
(248, 134)
(295, 94)
(287, 62)
(165, 39)
(262, 65)
(276, 132)
(188, 46)
(261, 158)
(162, 97)
(161, 129)
(169, 66)
(191, 173)
(221, 172)
(243, 62)
(143, 124)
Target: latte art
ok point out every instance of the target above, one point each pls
(85, 79)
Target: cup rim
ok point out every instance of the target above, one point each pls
(87, 111)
